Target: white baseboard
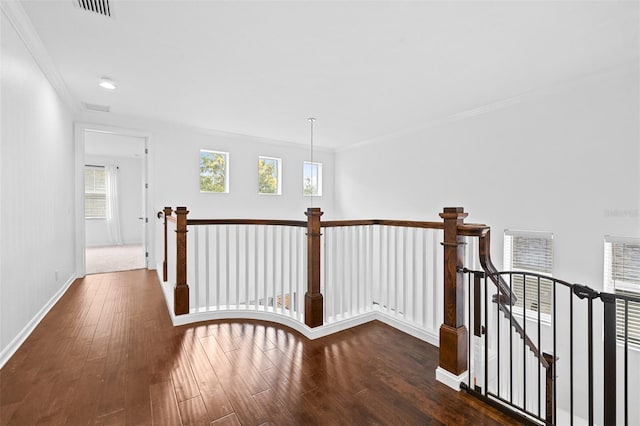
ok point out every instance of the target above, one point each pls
(310, 333)
(450, 379)
(419, 333)
(15, 344)
(166, 291)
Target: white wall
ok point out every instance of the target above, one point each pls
(174, 174)
(178, 174)
(37, 187)
(130, 199)
(565, 160)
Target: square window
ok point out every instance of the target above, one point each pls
(214, 171)
(312, 179)
(269, 175)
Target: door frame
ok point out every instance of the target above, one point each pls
(79, 135)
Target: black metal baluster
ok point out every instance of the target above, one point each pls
(469, 347)
(609, 358)
(555, 352)
(626, 362)
(590, 357)
(510, 340)
(524, 343)
(486, 339)
(539, 350)
(498, 349)
(571, 357)
(477, 311)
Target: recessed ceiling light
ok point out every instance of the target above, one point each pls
(107, 83)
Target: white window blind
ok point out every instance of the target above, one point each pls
(622, 276)
(530, 251)
(95, 193)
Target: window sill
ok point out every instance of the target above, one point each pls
(532, 316)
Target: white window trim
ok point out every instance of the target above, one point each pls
(226, 170)
(319, 190)
(279, 178)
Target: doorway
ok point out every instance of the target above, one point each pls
(114, 170)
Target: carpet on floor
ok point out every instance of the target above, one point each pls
(114, 258)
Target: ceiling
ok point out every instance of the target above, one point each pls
(363, 69)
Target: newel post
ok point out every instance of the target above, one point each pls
(167, 212)
(313, 301)
(453, 333)
(181, 290)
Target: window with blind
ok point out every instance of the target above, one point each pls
(530, 251)
(95, 193)
(622, 276)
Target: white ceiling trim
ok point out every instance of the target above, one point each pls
(606, 73)
(116, 130)
(16, 14)
(153, 123)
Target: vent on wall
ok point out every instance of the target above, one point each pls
(101, 7)
(96, 107)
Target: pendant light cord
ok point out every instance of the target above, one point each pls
(311, 120)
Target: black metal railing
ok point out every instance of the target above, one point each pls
(535, 349)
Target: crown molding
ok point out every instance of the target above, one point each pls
(18, 18)
(602, 74)
(137, 121)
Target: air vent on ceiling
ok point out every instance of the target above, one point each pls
(96, 107)
(101, 7)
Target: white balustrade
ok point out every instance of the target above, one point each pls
(392, 270)
(247, 267)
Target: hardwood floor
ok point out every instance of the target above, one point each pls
(108, 354)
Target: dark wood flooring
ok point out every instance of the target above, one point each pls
(108, 354)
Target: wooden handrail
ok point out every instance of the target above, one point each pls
(271, 222)
(473, 230)
(490, 269)
(323, 224)
(467, 230)
(386, 222)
